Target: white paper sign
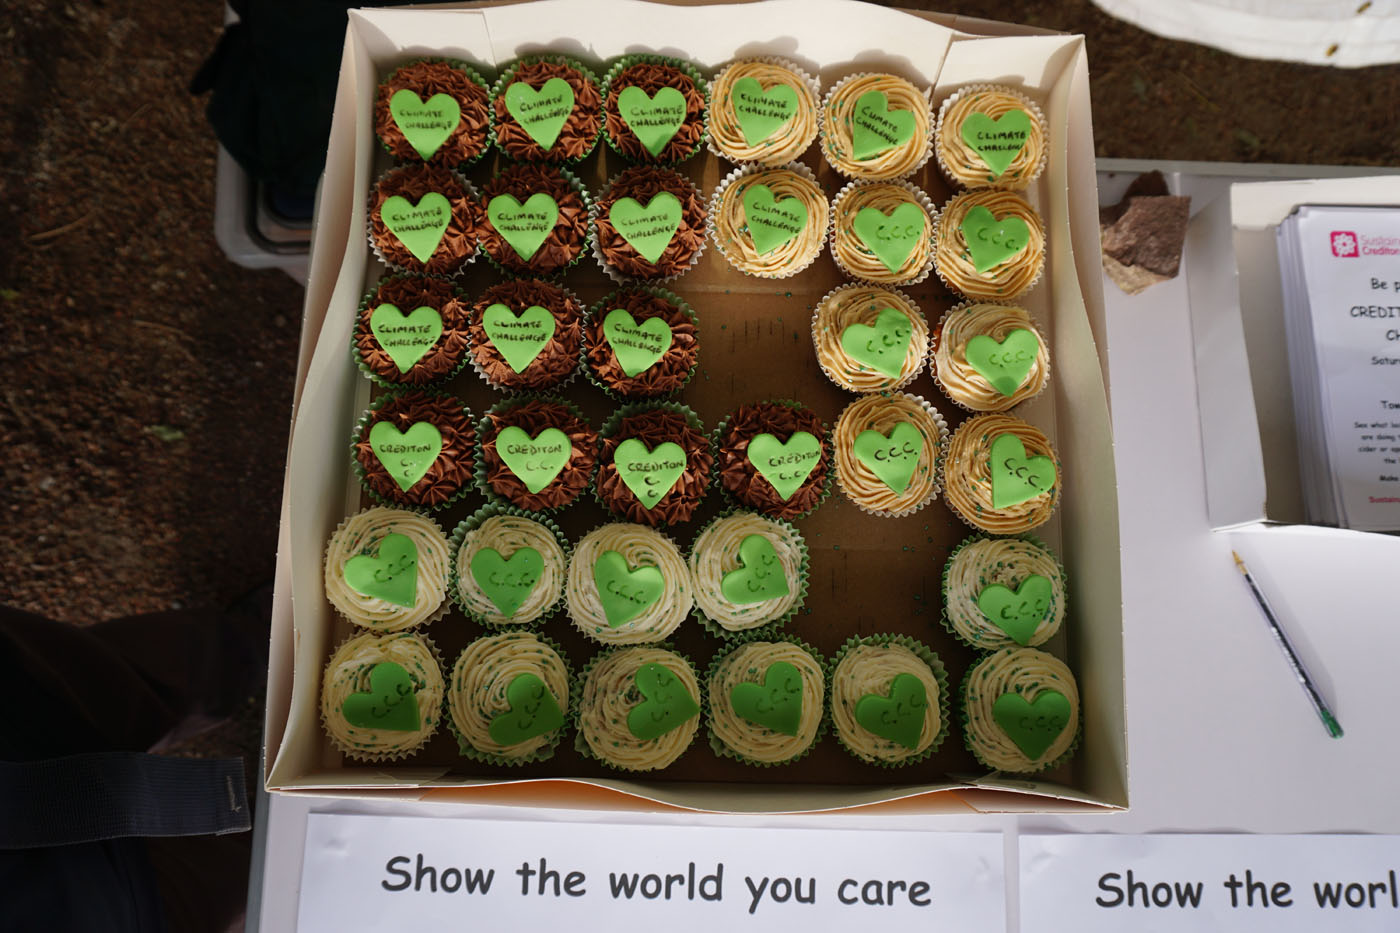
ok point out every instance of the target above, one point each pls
(399, 873)
(1093, 883)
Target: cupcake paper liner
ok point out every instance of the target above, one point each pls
(754, 168)
(443, 605)
(925, 654)
(891, 386)
(770, 629)
(925, 270)
(828, 147)
(472, 73)
(364, 305)
(947, 622)
(1038, 115)
(937, 460)
(458, 539)
(936, 339)
(952, 507)
(508, 73)
(362, 425)
(701, 85)
(622, 278)
(589, 241)
(485, 430)
(827, 483)
(544, 752)
(357, 754)
(786, 154)
(600, 307)
(472, 196)
(724, 751)
(963, 719)
(576, 704)
(945, 216)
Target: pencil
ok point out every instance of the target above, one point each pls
(1334, 728)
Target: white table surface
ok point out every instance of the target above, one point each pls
(1220, 736)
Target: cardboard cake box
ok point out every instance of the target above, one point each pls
(868, 575)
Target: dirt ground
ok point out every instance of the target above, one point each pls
(147, 380)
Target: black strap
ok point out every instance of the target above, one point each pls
(110, 795)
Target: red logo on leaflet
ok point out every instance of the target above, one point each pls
(1344, 244)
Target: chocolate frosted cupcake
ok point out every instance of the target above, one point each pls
(876, 126)
(638, 708)
(415, 448)
(381, 696)
(526, 335)
(536, 453)
(534, 219)
(1020, 710)
(628, 356)
(651, 224)
(989, 357)
(547, 109)
(1000, 474)
(422, 219)
(433, 111)
(411, 331)
(654, 466)
(991, 244)
(1001, 592)
(775, 458)
(654, 109)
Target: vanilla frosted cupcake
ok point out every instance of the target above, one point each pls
(766, 702)
(381, 696)
(876, 126)
(1021, 710)
(386, 569)
(1000, 474)
(627, 585)
(508, 701)
(639, 708)
(887, 453)
(889, 702)
(989, 357)
(883, 232)
(991, 244)
(990, 137)
(869, 339)
(762, 111)
(770, 222)
(1001, 592)
(508, 568)
(749, 571)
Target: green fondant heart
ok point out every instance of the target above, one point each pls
(876, 128)
(1017, 478)
(407, 455)
(667, 704)
(774, 704)
(786, 466)
(761, 113)
(1017, 612)
(533, 711)
(882, 347)
(390, 575)
(420, 226)
(518, 338)
(648, 229)
(650, 474)
(425, 124)
(1034, 727)
(625, 593)
(893, 457)
(523, 226)
(760, 578)
(891, 237)
(654, 119)
(992, 241)
(390, 703)
(998, 141)
(535, 460)
(898, 717)
(406, 337)
(1004, 364)
(637, 346)
(772, 222)
(507, 583)
(543, 113)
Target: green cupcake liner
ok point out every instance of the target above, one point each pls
(768, 630)
(476, 77)
(458, 539)
(925, 654)
(701, 85)
(614, 424)
(717, 745)
(600, 307)
(544, 752)
(379, 380)
(827, 482)
(585, 249)
(576, 704)
(963, 718)
(507, 76)
(359, 754)
(485, 430)
(362, 425)
(947, 622)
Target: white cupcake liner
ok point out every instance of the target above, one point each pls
(622, 278)
(893, 386)
(472, 196)
(938, 446)
(1023, 527)
(923, 201)
(1025, 181)
(945, 216)
(753, 168)
(553, 387)
(812, 84)
(834, 159)
(935, 335)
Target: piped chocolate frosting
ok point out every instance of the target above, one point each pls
(653, 428)
(580, 132)
(663, 377)
(427, 79)
(408, 292)
(450, 472)
(741, 479)
(651, 78)
(532, 417)
(559, 358)
(458, 243)
(563, 244)
(642, 183)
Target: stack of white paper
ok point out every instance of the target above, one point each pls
(1341, 297)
